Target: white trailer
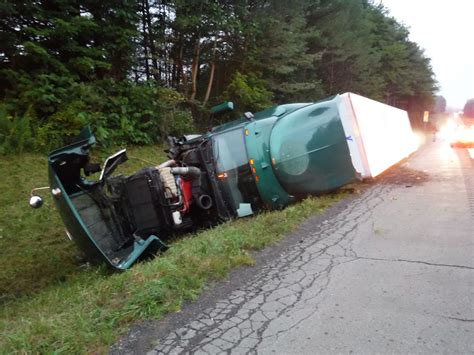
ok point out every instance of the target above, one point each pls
(378, 135)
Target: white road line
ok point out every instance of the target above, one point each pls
(471, 152)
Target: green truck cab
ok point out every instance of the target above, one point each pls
(89, 220)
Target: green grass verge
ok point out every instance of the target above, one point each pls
(70, 310)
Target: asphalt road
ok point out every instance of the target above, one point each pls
(390, 271)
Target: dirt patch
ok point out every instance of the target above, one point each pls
(402, 175)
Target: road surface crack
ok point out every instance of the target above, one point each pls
(415, 262)
(461, 319)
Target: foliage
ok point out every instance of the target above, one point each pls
(248, 92)
(115, 65)
(119, 112)
(282, 51)
(15, 132)
(350, 60)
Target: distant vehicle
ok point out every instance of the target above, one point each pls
(462, 137)
(459, 131)
(262, 161)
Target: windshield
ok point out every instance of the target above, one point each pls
(229, 150)
(232, 165)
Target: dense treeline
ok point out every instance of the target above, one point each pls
(139, 70)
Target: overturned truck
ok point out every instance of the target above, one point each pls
(265, 160)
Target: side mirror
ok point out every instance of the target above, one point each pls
(35, 200)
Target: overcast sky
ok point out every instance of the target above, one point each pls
(445, 29)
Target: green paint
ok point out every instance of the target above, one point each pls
(72, 219)
(309, 150)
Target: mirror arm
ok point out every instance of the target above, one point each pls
(32, 193)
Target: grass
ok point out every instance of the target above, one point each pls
(51, 304)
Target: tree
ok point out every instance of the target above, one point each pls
(65, 63)
(53, 43)
(281, 50)
(248, 92)
(348, 61)
(440, 104)
(469, 108)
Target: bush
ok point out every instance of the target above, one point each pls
(119, 113)
(15, 132)
(61, 127)
(248, 92)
